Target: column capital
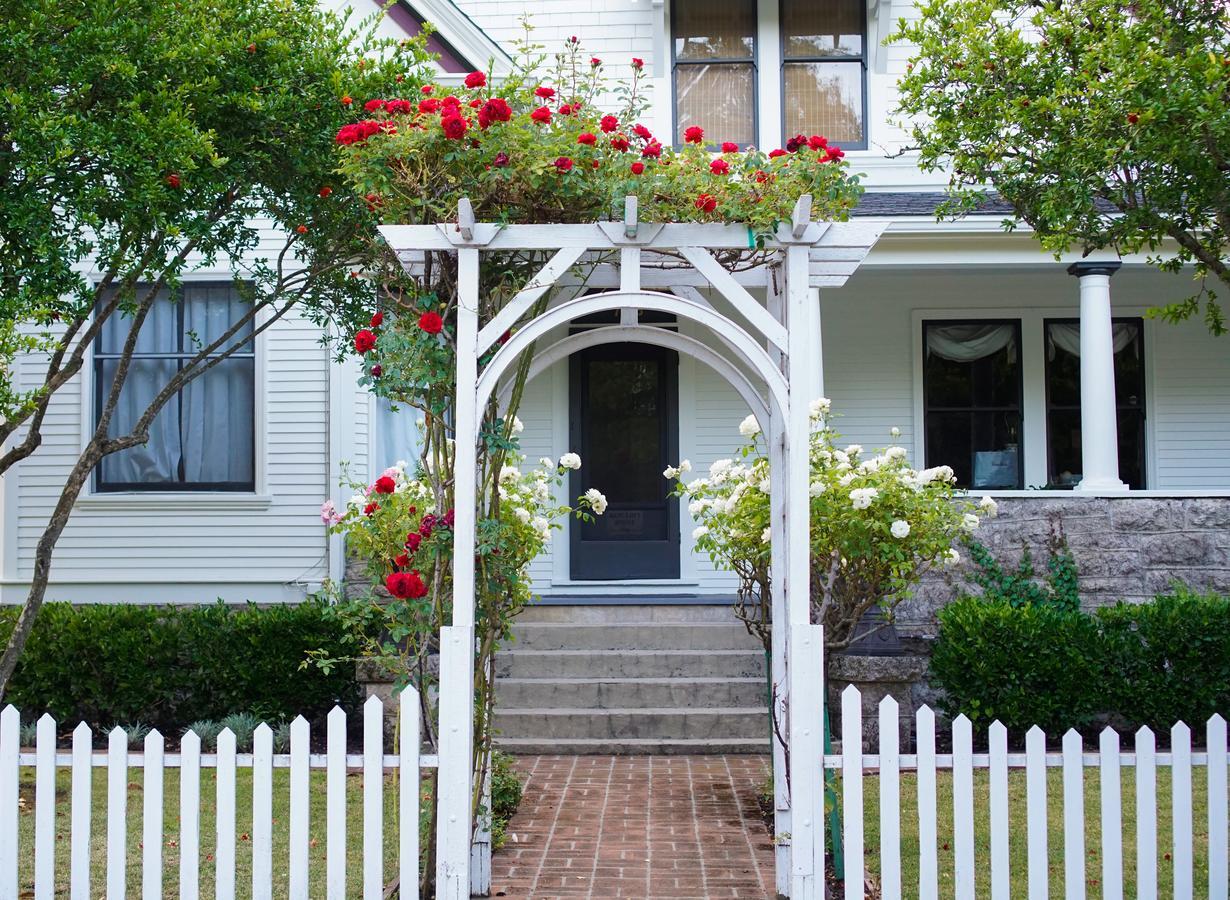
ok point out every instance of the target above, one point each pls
(1089, 267)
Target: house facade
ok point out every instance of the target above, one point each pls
(1039, 380)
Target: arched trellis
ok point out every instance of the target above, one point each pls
(777, 341)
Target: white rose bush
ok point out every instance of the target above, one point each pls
(877, 525)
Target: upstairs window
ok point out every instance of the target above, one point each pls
(203, 439)
(714, 52)
(823, 67)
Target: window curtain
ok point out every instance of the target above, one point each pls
(215, 427)
(397, 435)
(966, 343)
(1067, 337)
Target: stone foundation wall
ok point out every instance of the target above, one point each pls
(1128, 548)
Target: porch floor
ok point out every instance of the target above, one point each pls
(637, 826)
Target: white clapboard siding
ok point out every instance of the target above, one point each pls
(856, 760)
(53, 852)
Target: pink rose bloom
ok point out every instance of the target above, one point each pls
(328, 513)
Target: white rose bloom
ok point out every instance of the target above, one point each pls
(509, 473)
(541, 525)
(670, 472)
(517, 425)
(819, 407)
(400, 465)
(570, 461)
(816, 488)
(841, 456)
(719, 467)
(900, 528)
(951, 557)
(825, 456)
(523, 515)
(845, 480)
(697, 484)
(700, 532)
(895, 453)
(546, 462)
(685, 466)
(944, 473)
(749, 427)
(358, 501)
(596, 500)
(766, 536)
(854, 450)
(988, 506)
(894, 432)
(541, 492)
(696, 507)
(870, 465)
(860, 498)
(764, 486)
(969, 522)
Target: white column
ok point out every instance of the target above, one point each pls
(1099, 425)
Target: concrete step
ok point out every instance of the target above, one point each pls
(665, 723)
(615, 693)
(632, 636)
(623, 613)
(632, 746)
(523, 663)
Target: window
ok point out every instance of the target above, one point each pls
(204, 438)
(714, 53)
(823, 70)
(972, 401)
(1063, 401)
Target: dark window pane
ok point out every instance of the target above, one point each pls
(833, 28)
(724, 30)
(825, 98)
(718, 98)
(1064, 431)
(625, 422)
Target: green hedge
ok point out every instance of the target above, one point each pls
(169, 666)
(1143, 664)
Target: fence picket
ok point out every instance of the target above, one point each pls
(373, 799)
(45, 809)
(998, 811)
(151, 818)
(1035, 812)
(963, 805)
(224, 855)
(852, 790)
(1110, 791)
(1146, 815)
(408, 792)
(300, 806)
(82, 803)
(928, 861)
(1181, 809)
(117, 813)
(1073, 816)
(1219, 846)
(190, 816)
(335, 806)
(262, 813)
(890, 801)
(10, 740)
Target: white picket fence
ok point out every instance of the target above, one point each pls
(373, 762)
(1108, 760)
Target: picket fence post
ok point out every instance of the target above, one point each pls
(1146, 815)
(189, 816)
(1219, 846)
(1181, 809)
(45, 809)
(998, 804)
(1111, 790)
(890, 800)
(117, 814)
(300, 807)
(852, 789)
(151, 818)
(408, 786)
(335, 805)
(928, 859)
(79, 830)
(1073, 816)
(373, 799)
(1035, 813)
(262, 813)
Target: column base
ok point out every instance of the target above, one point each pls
(1098, 485)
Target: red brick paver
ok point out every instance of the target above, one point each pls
(637, 826)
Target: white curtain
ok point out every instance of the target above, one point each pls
(966, 343)
(397, 435)
(1067, 337)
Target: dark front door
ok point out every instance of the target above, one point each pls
(625, 424)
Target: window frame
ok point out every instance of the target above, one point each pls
(927, 408)
(753, 61)
(861, 58)
(1142, 408)
(98, 359)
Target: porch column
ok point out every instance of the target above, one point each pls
(1099, 421)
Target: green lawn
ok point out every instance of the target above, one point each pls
(243, 828)
(1016, 840)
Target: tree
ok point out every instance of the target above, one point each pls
(140, 141)
(1103, 123)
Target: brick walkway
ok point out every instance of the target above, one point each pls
(637, 826)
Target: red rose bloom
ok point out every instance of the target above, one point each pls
(796, 143)
(406, 585)
(431, 322)
(544, 92)
(346, 101)
(638, 63)
(638, 167)
(762, 176)
(397, 106)
(565, 110)
(377, 319)
(501, 160)
(817, 142)
(413, 539)
(426, 526)
(430, 105)
(730, 147)
(377, 371)
(364, 341)
(608, 123)
(455, 127)
(326, 191)
(494, 110)
(595, 61)
(586, 138)
(173, 180)
(476, 80)
(401, 560)
(564, 164)
(373, 105)
(370, 508)
(642, 132)
(652, 150)
(385, 485)
(542, 115)
(475, 103)
(426, 89)
(719, 167)
(1133, 118)
(694, 134)
(774, 154)
(620, 143)
(706, 203)
(832, 154)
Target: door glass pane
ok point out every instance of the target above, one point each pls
(625, 430)
(825, 98)
(718, 98)
(724, 30)
(834, 28)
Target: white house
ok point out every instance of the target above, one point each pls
(985, 352)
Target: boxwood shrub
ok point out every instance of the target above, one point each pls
(170, 666)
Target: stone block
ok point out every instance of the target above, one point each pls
(1208, 512)
(1192, 549)
(1147, 515)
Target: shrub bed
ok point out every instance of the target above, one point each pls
(167, 667)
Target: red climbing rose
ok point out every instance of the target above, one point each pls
(431, 322)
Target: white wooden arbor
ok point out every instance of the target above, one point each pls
(769, 352)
